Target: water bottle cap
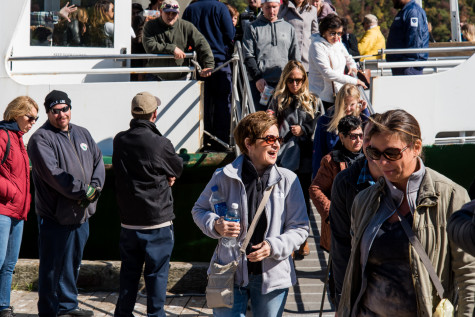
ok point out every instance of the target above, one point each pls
(234, 206)
(214, 188)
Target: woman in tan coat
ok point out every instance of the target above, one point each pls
(346, 151)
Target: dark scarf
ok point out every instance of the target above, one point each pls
(342, 154)
(255, 187)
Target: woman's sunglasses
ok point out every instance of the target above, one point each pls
(270, 139)
(294, 80)
(31, 118)
(391, 154)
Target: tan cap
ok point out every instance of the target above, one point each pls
(144, 103)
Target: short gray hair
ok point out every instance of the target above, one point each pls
(371, 18)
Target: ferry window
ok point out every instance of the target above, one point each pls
(90, 25)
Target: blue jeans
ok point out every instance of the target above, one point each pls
(407, 71)
(60, 249)
(154, 248)
(11, 231)
(262, 305)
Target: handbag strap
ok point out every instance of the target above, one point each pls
(422, 254)
(333, 84)
(257, 215)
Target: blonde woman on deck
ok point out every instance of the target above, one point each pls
(297, 111)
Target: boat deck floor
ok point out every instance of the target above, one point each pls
(304, 298)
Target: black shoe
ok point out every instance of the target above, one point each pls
(7, 312)
(78, 312)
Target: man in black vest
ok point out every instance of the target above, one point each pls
(146, 166)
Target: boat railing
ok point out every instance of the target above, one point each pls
(242, 103)
(380, 67)
(115, 57)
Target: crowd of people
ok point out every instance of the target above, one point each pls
(382, 210)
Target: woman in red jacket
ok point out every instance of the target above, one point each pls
(15, 198)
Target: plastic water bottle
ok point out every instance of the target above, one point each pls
(266, 95)
(231, 215)
(218, 203)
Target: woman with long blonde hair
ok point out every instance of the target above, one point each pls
(347, 102)
(297, 112)
(101, 32)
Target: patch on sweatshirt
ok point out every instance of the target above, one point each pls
(83, 146)
(414, 22)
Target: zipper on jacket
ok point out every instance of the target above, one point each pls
(77, 156)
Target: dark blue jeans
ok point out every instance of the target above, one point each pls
(154, 248)
(60, 248)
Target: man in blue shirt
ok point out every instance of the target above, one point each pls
(409, 30)
(213, 20)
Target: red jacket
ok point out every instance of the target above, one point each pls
(15, 195)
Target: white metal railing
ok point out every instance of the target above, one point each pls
(117, 57)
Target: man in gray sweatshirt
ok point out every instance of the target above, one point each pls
(268, 44)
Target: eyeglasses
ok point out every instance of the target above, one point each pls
(354, 136)
(170, 6)
(271, 139)
(391, 154)
(58, 111)
(31, 118)
(294, 80)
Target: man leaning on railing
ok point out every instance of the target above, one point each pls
(168, 34)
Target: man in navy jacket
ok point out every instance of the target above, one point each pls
(409, 30)
(68, 173)
(213, 20)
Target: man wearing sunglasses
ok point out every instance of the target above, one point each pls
(68, 174)
(168, 34)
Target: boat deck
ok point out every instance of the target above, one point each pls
(304, 298)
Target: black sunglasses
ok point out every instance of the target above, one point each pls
(170, 6)
(270, 139)
(58, 111)
(294, 80)
(391, 154)
(336, 33)
(31, 118)
(354, 136)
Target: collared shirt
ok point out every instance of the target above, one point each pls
(365, 176)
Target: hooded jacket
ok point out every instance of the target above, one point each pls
(304, 20)
(287, 223)
(437, 198)
(15, 195)
(64, 164)
(327, 66)
(267, 47)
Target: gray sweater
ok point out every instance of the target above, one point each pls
(269, 46)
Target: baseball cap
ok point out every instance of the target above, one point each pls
(144, 103)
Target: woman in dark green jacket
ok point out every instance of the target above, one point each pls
(382, 258)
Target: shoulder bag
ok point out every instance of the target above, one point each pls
(445, 307)
(220, 288)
